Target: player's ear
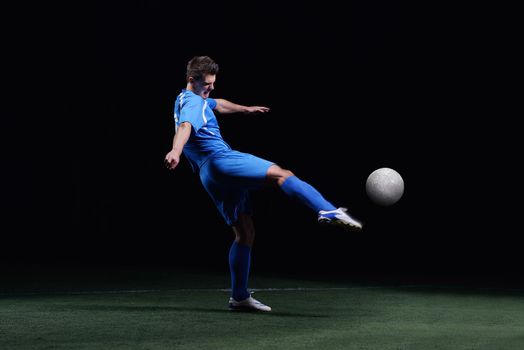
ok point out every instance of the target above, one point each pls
(191, 80)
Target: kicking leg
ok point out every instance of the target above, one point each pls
(296, 188)
(307, 194)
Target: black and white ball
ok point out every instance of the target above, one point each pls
(384, 186)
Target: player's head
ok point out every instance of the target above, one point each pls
(201, 75)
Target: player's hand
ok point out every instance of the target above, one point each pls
(172, 159)
(256, 109)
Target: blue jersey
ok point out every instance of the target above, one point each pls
(205, 139)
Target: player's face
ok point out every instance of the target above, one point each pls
(204, 87)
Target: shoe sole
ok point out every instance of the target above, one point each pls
(245, 309)
(339, 223)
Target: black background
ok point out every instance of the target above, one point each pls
(352, 87)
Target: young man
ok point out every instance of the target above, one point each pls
(229, 175)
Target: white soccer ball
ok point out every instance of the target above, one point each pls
(384, 186)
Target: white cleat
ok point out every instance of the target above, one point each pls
(339, 217)
(249, 304)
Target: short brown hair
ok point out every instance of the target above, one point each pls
(200, 66)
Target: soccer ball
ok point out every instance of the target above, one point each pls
(384, 186)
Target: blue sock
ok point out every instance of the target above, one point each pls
(307, 194)
(239, 263)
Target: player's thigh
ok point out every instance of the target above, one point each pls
(238, 169)
(230, 201)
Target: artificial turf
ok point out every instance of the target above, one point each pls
(189, 311)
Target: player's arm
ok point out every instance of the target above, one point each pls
(227, 107)
(179, 141)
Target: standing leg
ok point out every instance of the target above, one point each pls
(239, 263)
(240, 256)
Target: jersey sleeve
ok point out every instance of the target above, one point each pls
(192, 111)
(211, 102)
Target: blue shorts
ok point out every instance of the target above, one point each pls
(228, 177)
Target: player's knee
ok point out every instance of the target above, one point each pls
(284, 174)
(277, 175)
(244, 230)
(245, 237)
(287, 173)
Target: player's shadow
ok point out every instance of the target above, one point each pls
(134, 308)
(283, 314)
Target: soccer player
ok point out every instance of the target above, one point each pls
(229, 175)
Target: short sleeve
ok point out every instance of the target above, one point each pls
(212, 103)
(192, 111)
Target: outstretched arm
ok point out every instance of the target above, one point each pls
(179, 141)
(226, 107)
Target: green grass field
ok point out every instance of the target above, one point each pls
(180, 310)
